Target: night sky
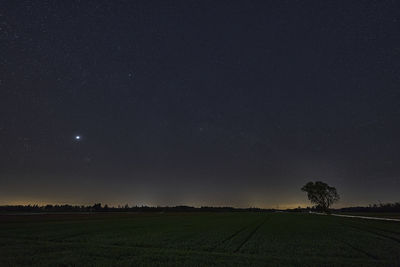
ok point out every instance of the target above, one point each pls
(235, 103)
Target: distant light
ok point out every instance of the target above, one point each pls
(78, 137)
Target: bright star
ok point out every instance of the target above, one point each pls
(77, 137)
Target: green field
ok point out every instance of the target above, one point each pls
(196, 239)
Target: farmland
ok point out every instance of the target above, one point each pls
(196, 239)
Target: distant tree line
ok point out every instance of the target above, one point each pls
(381, 207)
(98, 207)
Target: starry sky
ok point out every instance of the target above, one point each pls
(235, 103)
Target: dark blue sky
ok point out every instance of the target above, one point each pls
(233, 103)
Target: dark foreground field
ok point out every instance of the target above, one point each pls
(197, 239)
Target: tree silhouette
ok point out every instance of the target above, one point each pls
(321, 194)
(97, 207)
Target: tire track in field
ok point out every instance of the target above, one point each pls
(378, 228)
(62, 238)
(228, 238)
(359, 250)
(373, 232)
(76, 244)
(250, 236)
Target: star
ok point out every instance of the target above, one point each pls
(77, 137)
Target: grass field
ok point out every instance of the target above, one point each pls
(197, 239)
